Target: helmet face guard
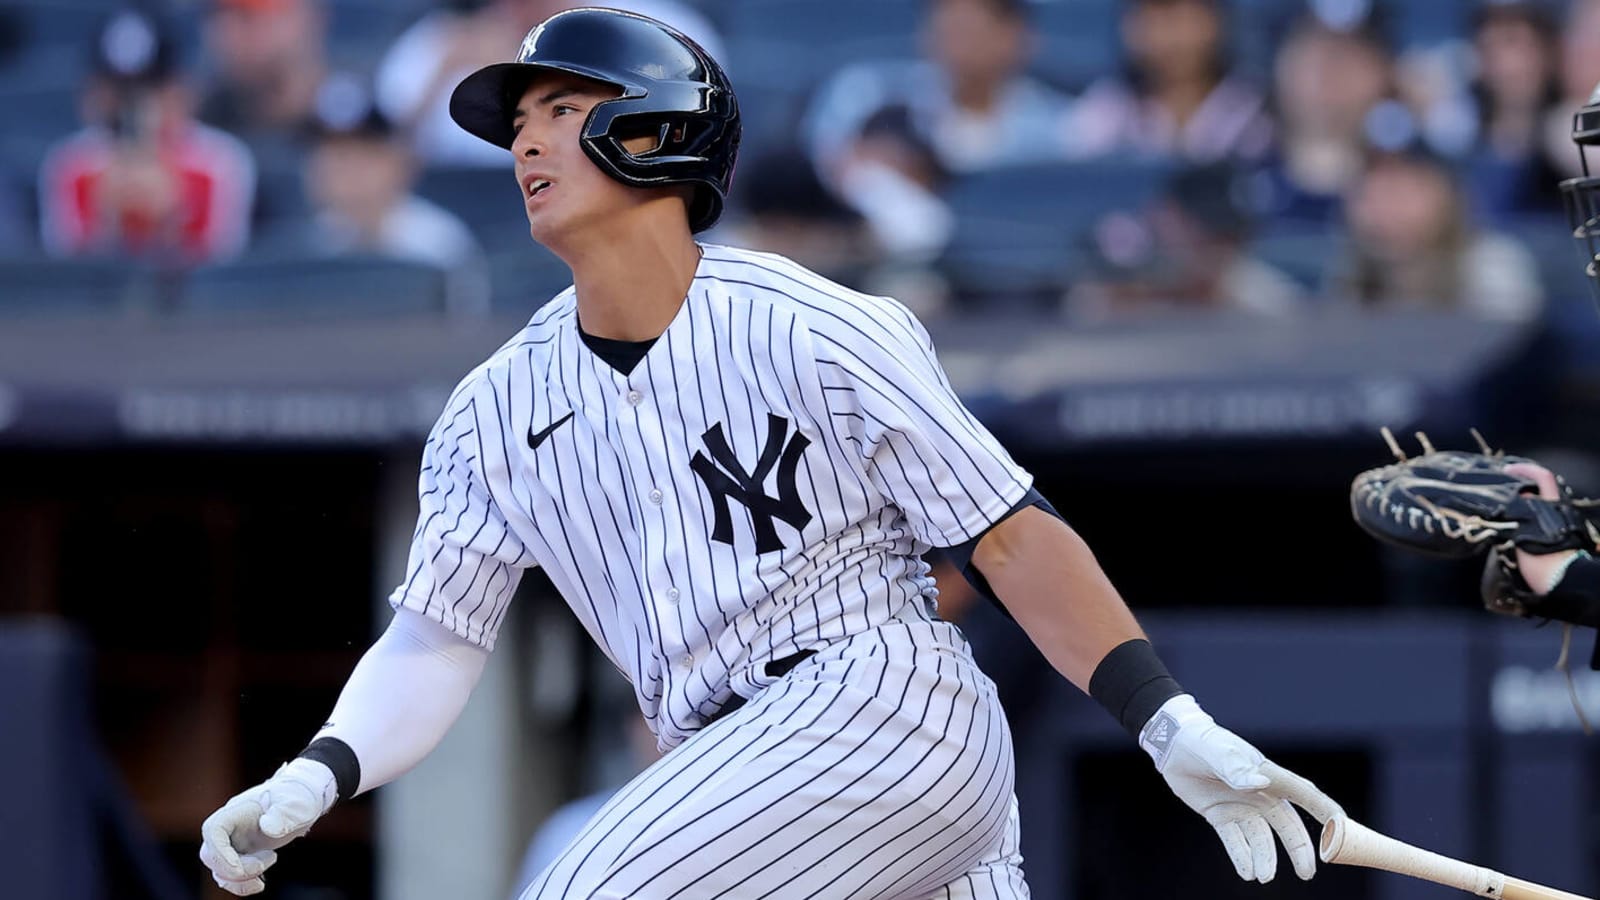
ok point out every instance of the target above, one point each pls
(1582, 194)
(670, 89)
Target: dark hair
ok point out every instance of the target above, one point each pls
(1222, 59)
(897, 123)
(133, 46)
(1018, 10)
(1368, 33)
(1538, 15)
(1216, 196)
(345, 107)
(1540, 19)
(784, 182)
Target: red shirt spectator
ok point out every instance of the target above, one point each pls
(189, 196)
(144, 179)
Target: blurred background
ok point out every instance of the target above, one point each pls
(1183, 256)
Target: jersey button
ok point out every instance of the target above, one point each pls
(656, 496)
(633, 398)
(672, 595)
(686, 661)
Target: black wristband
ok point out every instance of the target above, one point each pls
(337, 756)
(1132, 683)
(1576, 597)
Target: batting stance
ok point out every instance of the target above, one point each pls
(731, 467)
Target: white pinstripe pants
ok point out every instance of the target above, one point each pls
(880, 768)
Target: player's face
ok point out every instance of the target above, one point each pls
(562, 189)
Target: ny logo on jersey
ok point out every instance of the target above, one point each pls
(725, 478)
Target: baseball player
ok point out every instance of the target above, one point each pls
(1540, 539)
(730, 467)
(1566, 583)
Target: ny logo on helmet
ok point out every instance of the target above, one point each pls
(726, 479)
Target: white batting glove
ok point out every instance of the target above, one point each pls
(240, 840)
(1242, 795)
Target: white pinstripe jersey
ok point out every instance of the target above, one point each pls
(764, 481)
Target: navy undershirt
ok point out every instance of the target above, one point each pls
(624, 356)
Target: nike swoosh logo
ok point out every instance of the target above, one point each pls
(535, 438)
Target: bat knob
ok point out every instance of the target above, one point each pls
(1333, 832)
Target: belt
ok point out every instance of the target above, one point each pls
(776, 668)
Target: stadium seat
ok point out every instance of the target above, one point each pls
(787, 46)
(1078, 40)
(1064, 197)
(37, 286)
(1022, 231)
(1425, 22)
(485, 198)
(34, 68)
(293, 287)
(523, 276)
(32, 120)
(1025, 230)
(60, 22)
(1303, 252)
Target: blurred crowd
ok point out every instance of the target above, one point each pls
(1089, 158)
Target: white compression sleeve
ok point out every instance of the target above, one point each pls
(406, 692)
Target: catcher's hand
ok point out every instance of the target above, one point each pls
(1519, 583)
(1240, 793)
(1458, 504)
(239, 842)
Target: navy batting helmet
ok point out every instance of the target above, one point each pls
(670, 87)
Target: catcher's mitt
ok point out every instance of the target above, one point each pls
(1457, 504)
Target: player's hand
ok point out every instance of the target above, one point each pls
(1242, 795)
(1541, 570)
(240, 840)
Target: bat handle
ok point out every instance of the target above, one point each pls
(1517, 889)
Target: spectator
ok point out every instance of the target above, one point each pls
(1412, 245)
(1517, 89)
(1178, 96)
(885, 134)
(144, 178)
(1580, 72)
(893, 178)
(1190, 252)
(782, 207)
(1326, 80)
(427, 61)
(359, 179)
(969, 98)
(266, 60)
(270, 57)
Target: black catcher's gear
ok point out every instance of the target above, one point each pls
(1582, 194)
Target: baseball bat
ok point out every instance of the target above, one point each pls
(1348, 842)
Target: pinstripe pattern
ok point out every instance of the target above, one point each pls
(690, 594)
(880, 768)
